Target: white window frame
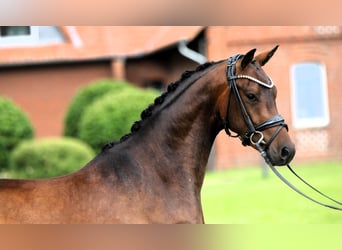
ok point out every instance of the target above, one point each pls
(21, 40)
(310, 122)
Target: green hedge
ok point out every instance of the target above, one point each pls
(112, 116)
(14, 127)
(49, 157)
(84, 98)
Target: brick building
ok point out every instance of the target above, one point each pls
(42, 68)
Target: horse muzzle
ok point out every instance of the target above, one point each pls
(281, 156)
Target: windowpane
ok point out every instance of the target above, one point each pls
(24, 36)
(14, 30)
(310, 104)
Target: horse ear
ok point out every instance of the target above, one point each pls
(263, 58)
(247, 58)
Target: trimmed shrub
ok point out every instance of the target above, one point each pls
(112, 116)
(84, 98)
(14, 127)
(49, 157)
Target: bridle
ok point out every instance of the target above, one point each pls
(254, 133)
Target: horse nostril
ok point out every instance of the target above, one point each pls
(285, 153)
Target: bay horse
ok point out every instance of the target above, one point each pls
(155, 173)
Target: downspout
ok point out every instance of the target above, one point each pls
(190, 54)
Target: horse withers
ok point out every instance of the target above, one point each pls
(155, 173)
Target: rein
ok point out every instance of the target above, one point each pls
(254, 134)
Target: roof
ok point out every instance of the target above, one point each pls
(99, 42)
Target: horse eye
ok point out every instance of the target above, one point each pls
(251, 97)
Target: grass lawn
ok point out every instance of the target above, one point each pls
(243, 196)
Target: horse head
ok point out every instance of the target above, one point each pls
(251, 108)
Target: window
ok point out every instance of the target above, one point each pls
(17, 35)
(309, 95)
(20, 36)
(7, 31)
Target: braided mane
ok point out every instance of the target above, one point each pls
(158, 101)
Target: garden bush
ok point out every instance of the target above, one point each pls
(49, 157)
(112, 116)
(84, 98)
(14, 127)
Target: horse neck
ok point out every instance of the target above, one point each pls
(179, 136)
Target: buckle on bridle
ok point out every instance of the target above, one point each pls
(257, 137)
